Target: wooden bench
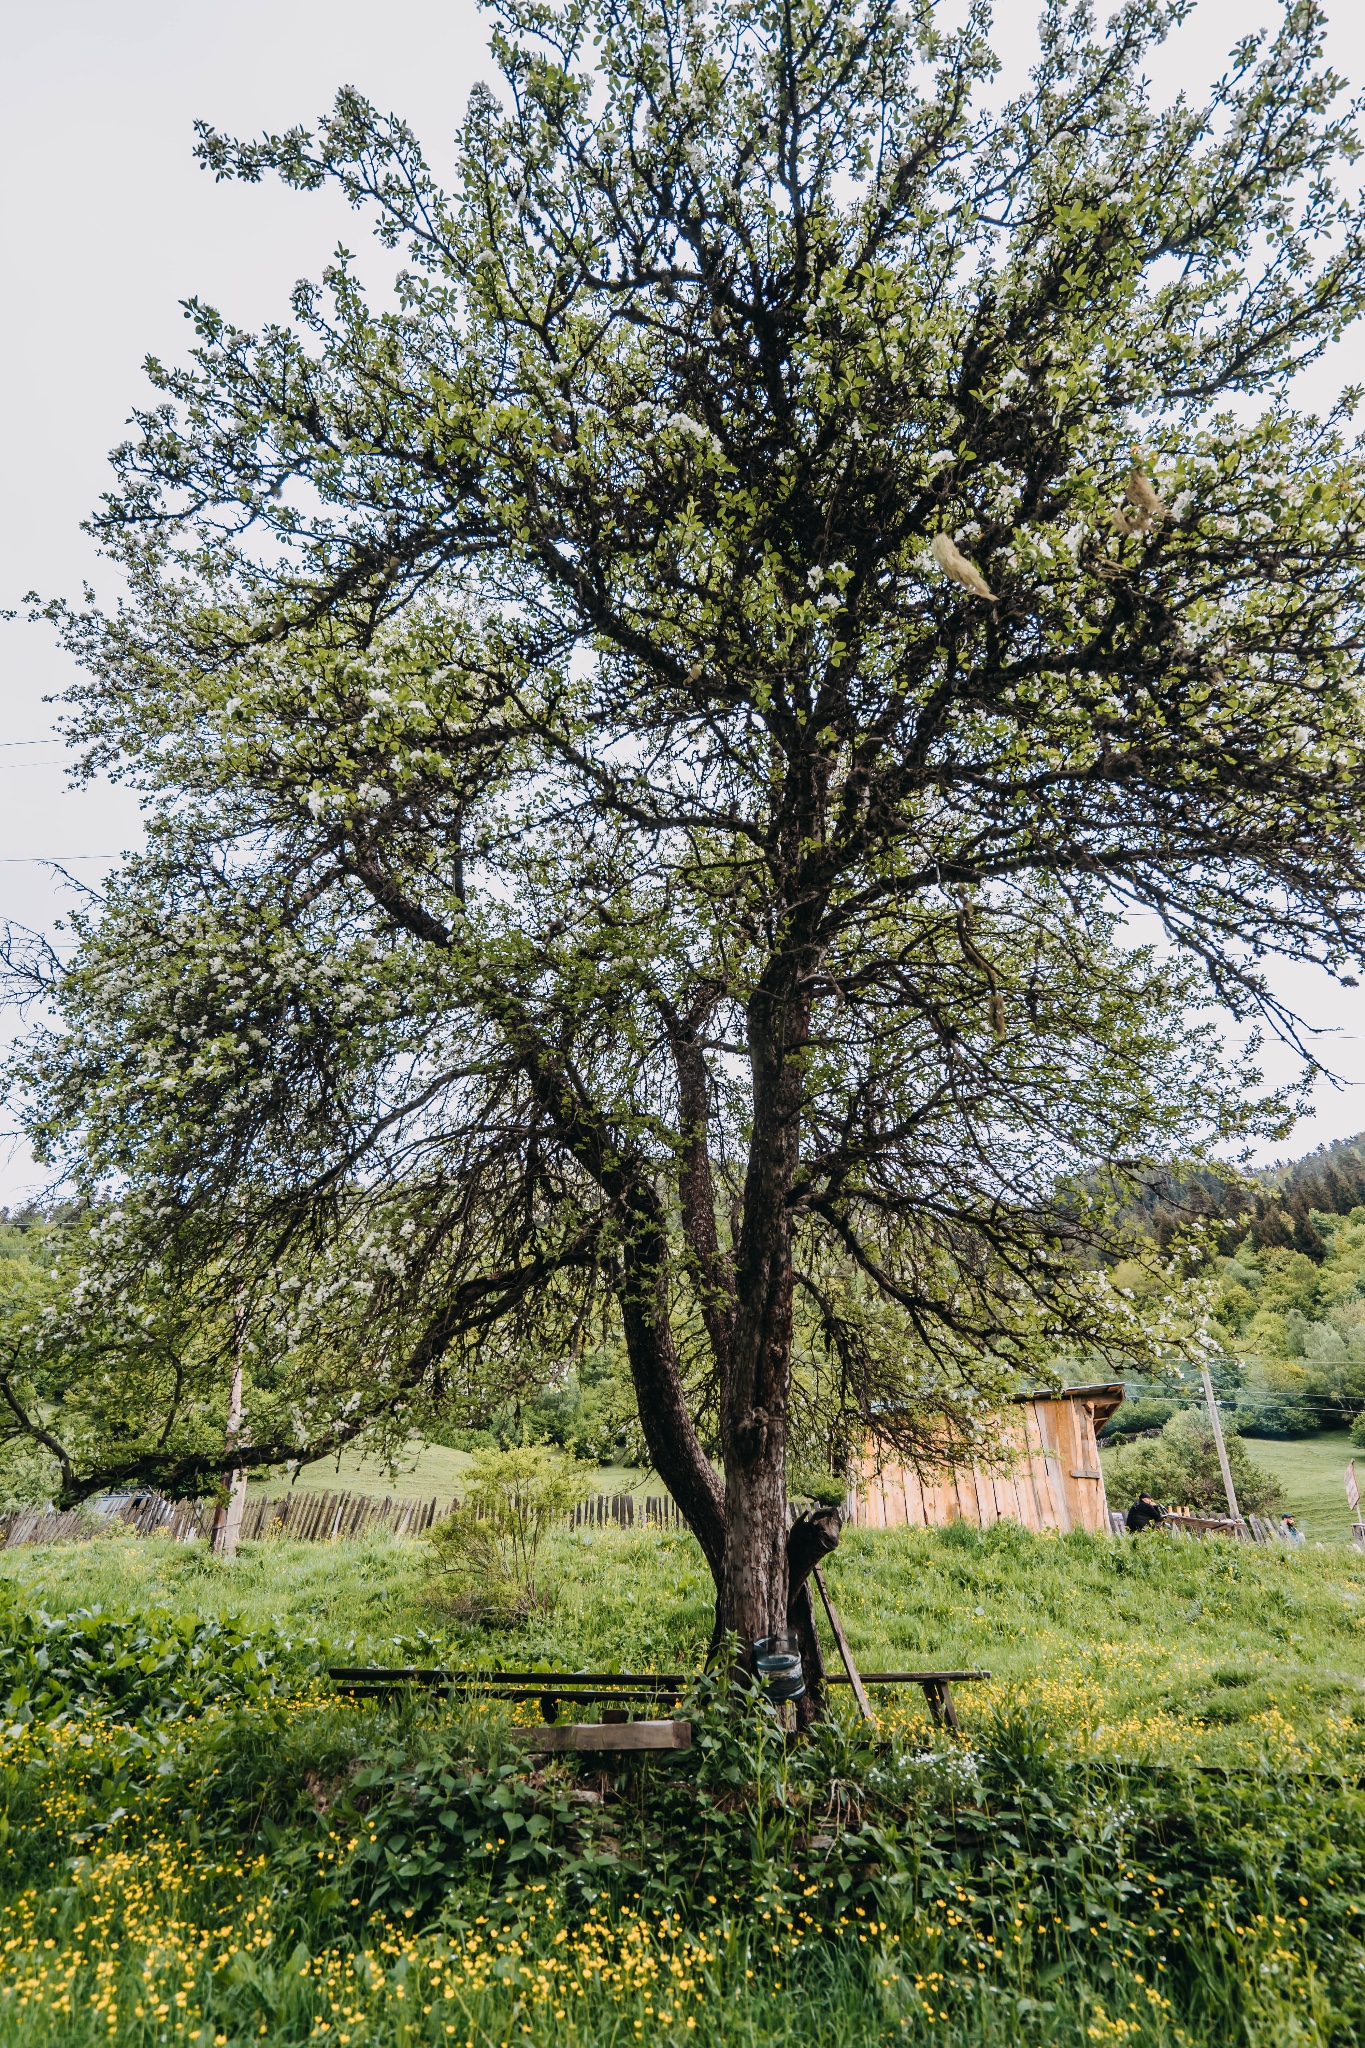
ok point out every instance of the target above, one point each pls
(616, 1692)
(937, 1687)
(551, 1689)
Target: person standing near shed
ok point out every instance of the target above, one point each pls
(1145, 1513)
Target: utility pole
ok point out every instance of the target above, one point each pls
(1216, 1421)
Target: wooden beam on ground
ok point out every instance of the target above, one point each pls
(617, 1735)
(864, 1708)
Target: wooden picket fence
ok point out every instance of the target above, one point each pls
(625, 1511)
(303, 1517)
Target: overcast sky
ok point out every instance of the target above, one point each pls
(106, 224)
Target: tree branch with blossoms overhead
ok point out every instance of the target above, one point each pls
(653, 743)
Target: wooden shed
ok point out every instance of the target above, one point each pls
(1047, 1474)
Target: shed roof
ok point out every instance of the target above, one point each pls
(1106, 1397)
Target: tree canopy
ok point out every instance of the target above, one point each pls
(654, 736)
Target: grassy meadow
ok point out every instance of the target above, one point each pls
(1154, 1649)
(1152, 1832)
(423, 1472)
(1311, 1470)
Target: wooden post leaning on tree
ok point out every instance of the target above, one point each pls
(811, 1536)
(859, 1692)
(1217, 1425)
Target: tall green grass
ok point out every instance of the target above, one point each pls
(1153, 1832)
(1153, 1648)
(274, 1873)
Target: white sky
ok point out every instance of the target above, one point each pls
(106, 224)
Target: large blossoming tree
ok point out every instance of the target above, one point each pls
(653, 738)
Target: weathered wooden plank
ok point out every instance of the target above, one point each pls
(1048, 1467)
(554, 1681)
(608, 1735)
(987, 1509)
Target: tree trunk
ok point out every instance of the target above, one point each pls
(760, 1568)
(674, 1450)
(227, 1519)
(753, 1593)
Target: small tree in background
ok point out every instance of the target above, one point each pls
(650, 738)
(492, 1542)
(1180, 1468)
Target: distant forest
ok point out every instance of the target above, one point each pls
(1276, 1211)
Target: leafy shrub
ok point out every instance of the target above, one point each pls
(434, 1824)
(1135, 1417)
(1181, 1467)
(491, 1545)
(811, 1483)
(136, 1667)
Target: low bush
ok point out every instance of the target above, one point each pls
(489, 1550)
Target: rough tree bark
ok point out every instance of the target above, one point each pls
(747, 1309)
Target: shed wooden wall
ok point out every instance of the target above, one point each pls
(1048, 1477)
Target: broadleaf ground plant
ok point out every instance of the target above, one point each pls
(651, 736)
